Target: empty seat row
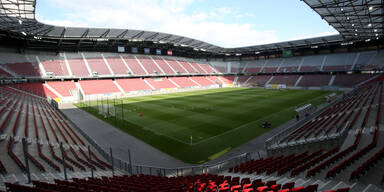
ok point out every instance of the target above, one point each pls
(141, 183)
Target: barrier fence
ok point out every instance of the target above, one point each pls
(131, 168)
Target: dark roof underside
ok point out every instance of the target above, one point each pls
(356, 20)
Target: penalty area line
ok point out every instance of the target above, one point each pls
(246, 124)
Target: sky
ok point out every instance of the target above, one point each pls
(225, 23)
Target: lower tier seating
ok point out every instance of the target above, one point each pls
(98, 87)
(144, 183)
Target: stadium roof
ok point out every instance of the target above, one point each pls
(356, 20)
(353, 19)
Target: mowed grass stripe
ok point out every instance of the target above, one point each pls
(179, 94)
(214, 121)
(257, 122)
(187, 122)
(156, 111)
(218, 119)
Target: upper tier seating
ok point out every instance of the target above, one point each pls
(63, 87)
(149, 65)
(176, 66)
(208, 68)
(83, 64)
(187, 67)
(58, 67)
(136, 84)
(369, 60)
(117, 65)
(221, 69)
(253, 70)
(311, 63)
(254, 66)
(271, 65)
(78, 67)
(339, 62)
(104, 86)
(237, 67)
(198, 68)
(290, 64)
(268, 69)
(134, 65)
(98, 65)
(26, 69)
(166, 68)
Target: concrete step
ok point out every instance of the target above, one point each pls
(357, 187)
(328, 185)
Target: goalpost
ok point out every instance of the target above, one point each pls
(106, 110)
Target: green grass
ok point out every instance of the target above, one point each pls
(217, 119)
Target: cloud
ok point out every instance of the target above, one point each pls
(168, 16)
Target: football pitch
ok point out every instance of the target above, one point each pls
(198, 126)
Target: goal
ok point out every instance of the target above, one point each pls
(106, 110)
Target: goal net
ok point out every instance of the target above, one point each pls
(106, 110)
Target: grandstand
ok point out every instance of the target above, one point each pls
(79, 114)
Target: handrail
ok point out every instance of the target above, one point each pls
(275, 138)
(165, 171)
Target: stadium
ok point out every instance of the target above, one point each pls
(97, 109)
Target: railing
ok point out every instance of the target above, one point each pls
(126, 166)
(340, 137)
(278, 136)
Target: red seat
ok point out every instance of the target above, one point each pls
(235, 188)
(276, 187)
(343, 190)
(246, 186)
(261, 189)
(298, 189)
